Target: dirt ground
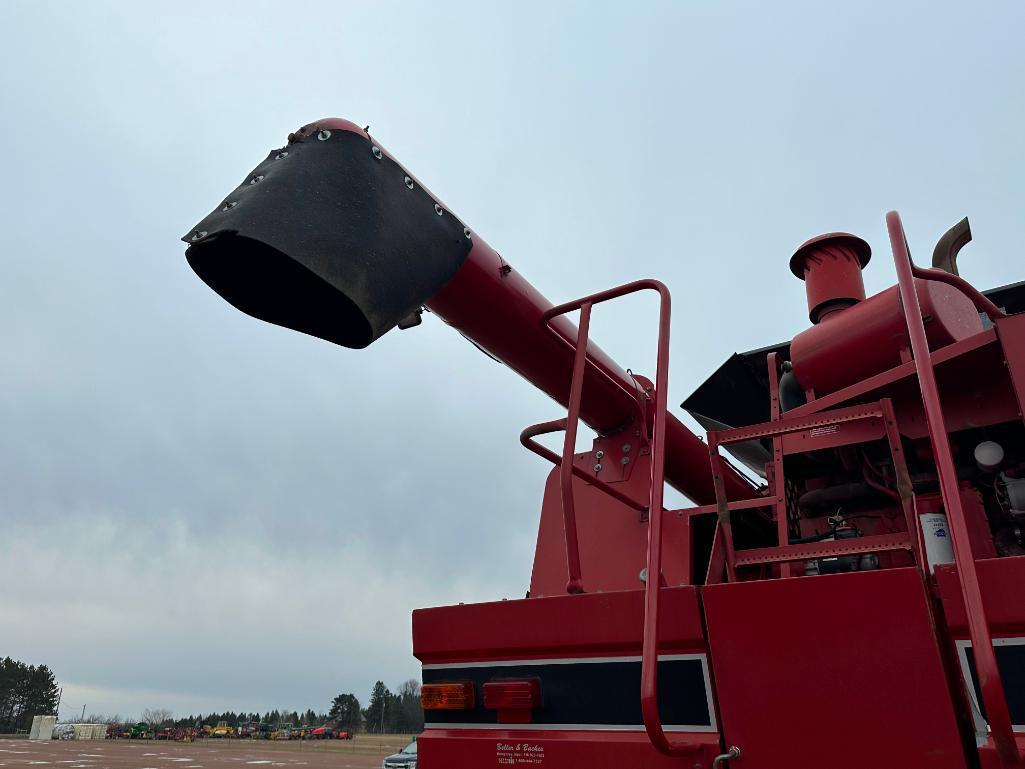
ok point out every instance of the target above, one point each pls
(363, 752)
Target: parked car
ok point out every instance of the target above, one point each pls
(404, 759)
(343, 734)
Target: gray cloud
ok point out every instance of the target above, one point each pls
(190, 495)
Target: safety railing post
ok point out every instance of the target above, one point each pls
(652, 595)
(990, 683)
(569, 515)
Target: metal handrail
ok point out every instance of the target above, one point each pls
(546, 428)
(982, 643)
(652, 593)
(981, 301)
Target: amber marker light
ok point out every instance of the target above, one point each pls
(457, 695)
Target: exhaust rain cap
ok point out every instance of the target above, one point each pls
(830, 265)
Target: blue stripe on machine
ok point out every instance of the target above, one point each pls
(587, 693)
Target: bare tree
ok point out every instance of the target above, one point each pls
(156, 716)
(409, 717)
(409, 689)
(100, 718)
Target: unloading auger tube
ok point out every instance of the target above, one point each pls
(331, 236)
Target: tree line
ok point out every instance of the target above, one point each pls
(30, 690)
(25, 691)
(395, 712)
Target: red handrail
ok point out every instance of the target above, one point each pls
(569, 447)
(980, 300)
(652, 594)
(545, 428)
(982, 643)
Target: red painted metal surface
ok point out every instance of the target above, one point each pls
(979, 534)
(854, 343)
(586, 625)
(775, 471)
(516, 337)
(1012, 342)
(567, 627)
(612, 537)
(814, 432)
(491, 304)
(1004, 610)
(574, 584)
(989, 675)
(649, 651)
(830, 265)
(557, 425)
(840, 671)
(883, 382)
(981, 302)
(580, 360)
(474, 749)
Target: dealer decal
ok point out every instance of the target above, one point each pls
(520, 753)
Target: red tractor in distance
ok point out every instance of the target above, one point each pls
(860, 605)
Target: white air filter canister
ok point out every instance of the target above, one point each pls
(936, 534)
(989, 455)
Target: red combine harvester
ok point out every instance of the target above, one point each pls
(861, 608)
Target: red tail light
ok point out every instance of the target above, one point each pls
(513, 698)
(457, 695)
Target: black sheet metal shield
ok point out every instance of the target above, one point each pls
(328, 237)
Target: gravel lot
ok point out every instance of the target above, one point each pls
(365, 752)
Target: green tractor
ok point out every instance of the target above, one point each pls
(141, 731)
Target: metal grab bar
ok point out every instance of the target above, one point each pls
(545, 428)
(982, 643)
(980, 300)
(733, 752)
(649, 643)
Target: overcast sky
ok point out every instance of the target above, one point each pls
(202, 511)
